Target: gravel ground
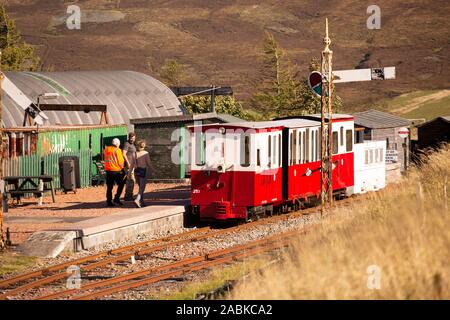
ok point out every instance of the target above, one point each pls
(176, 253)
(159, 258)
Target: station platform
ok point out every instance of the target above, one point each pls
(91, 233)
(76, 223)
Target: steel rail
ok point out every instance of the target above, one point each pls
(177, 264)
(203, 265)
(139, 252)
(45, 271)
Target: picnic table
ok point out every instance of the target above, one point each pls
(26, 185)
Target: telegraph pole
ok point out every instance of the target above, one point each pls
(326, 108)
(2, 239)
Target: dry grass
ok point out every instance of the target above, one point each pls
(14, 263)
(216, 279)
(403, 230)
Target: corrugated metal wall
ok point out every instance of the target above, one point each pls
(48, 165)
(74, 140)
(41, 143)
(42, 155)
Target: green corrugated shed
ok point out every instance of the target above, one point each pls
(93, 138)
(37, 151)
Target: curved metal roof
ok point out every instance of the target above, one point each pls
(127, 94)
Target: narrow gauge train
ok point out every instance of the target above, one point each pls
(239, 170)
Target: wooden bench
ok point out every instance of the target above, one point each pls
(38, 189)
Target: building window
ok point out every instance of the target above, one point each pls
(359, 136)
(349, 140)
(245, 150)
(200, 146)
(335, 143)
(367, 134)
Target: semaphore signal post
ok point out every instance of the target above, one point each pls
(326, 107)
(2, 239)
(328, 77)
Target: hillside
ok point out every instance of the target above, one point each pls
(220, 41)
(419, 104)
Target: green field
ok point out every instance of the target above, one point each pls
(419, 104)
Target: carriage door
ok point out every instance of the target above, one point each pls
(223, 162)
(285, 163)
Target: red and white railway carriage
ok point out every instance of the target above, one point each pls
(245, 168)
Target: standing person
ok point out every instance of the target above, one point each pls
(129, 153)
(114, 166)
(141, 170)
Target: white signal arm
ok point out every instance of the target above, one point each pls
(357, 75)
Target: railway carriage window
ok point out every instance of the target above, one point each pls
(291, 149)
(349, 140)
(371, 156)
(317, 145)
(258, 157)
(294, 151)
(313, 144)
(342, 136)
(200, 146)
(269, 150)
(245, 150)
(274, 153)
(307, 158)
(335, 142)
(381, 155)
(304, 147)
(366, 157)
(279, 149)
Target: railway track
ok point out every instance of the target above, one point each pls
(176, 269)
(54, 274)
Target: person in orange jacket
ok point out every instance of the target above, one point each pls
(115, 174)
